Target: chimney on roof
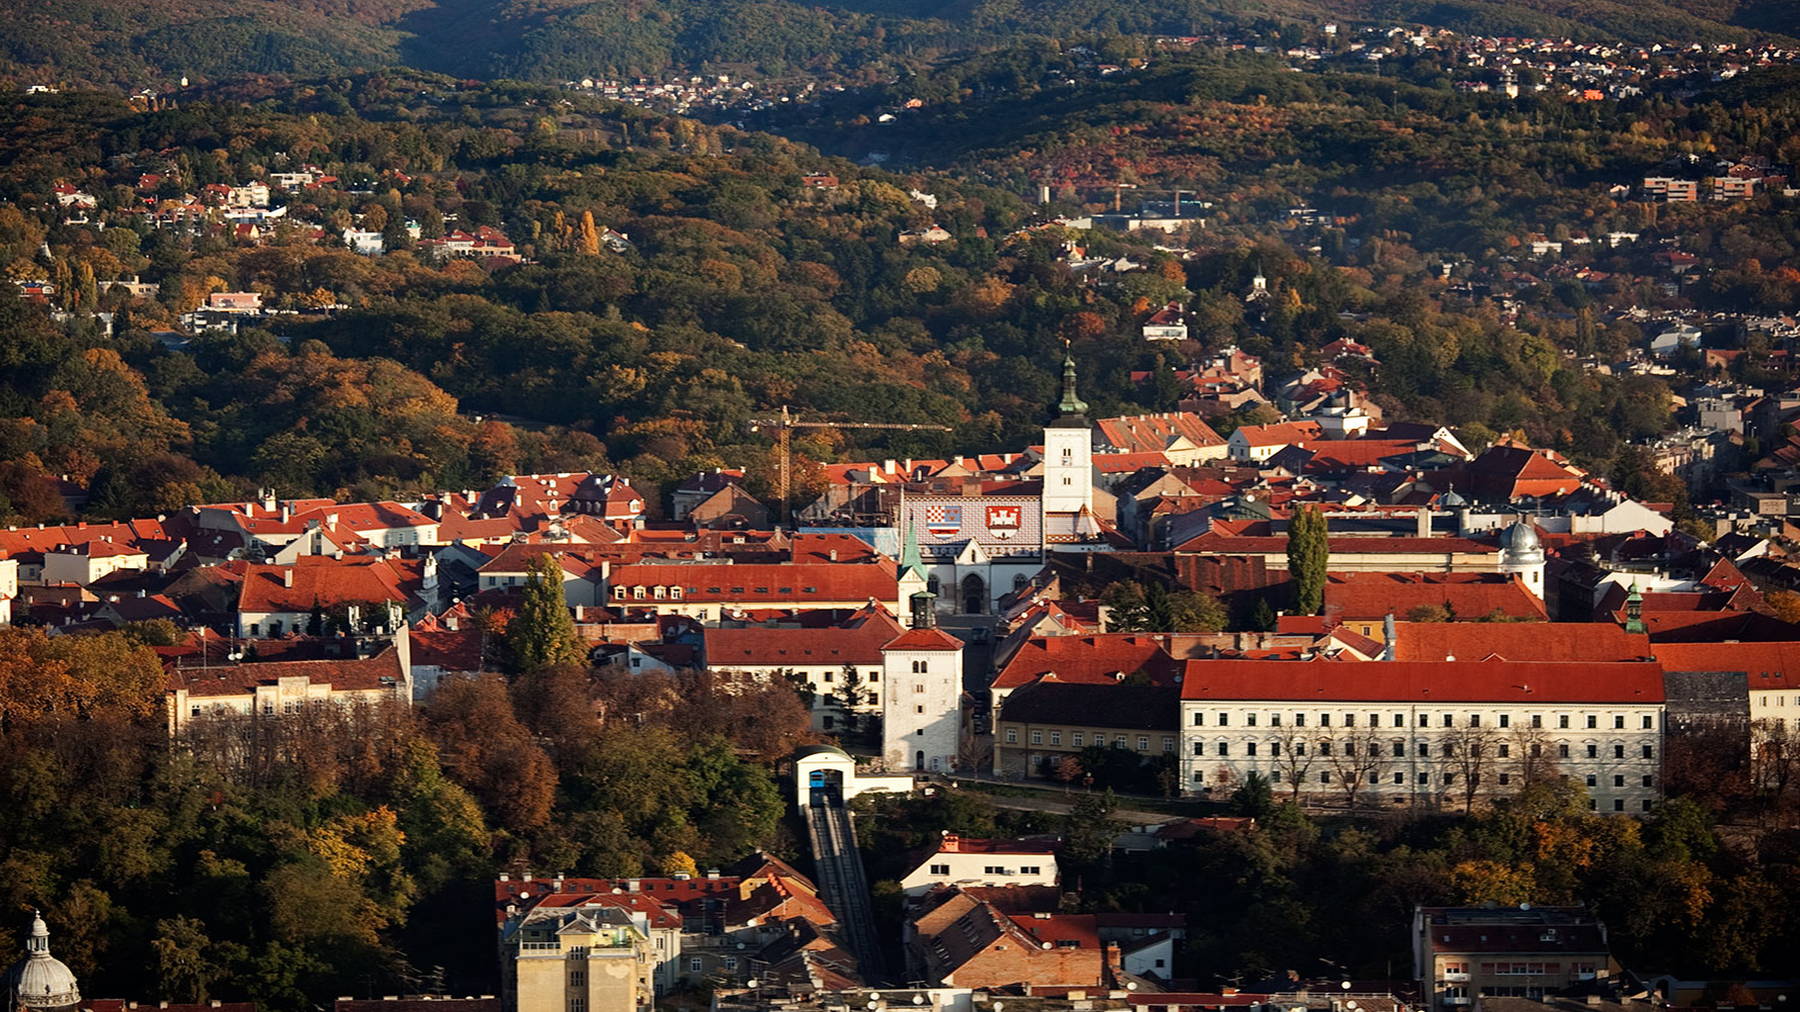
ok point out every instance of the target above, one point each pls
(1390, 647)
(504, 877)
(712, 873)
(526, 877)
(1424, 522)
(287, 577)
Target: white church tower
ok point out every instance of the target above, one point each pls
(921, 704)
(1068, 461)
(1522, 555)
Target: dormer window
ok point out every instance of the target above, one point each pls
(659, 593)
(637, 593)
(619, 593)
(675, 593)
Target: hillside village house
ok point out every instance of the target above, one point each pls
(969, 862)
(85, 563)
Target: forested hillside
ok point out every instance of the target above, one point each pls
(154, 44)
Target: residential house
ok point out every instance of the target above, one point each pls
(961, 861)
(1167, 324)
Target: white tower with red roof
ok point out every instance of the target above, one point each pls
(921, 702)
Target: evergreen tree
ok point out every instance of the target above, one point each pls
(1308, 553)
(542, 635)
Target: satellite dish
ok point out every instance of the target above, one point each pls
(918, 999)
(1524, 906)
(999, 1005)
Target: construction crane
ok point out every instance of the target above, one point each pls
(785, 423)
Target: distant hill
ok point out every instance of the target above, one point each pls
(153, 43)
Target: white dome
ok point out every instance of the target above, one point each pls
(40, 980)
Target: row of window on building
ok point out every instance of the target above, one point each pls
(1563, 720)
(1079, 739)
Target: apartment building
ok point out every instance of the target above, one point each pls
(1462, 955)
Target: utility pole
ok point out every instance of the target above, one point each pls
(785, 423)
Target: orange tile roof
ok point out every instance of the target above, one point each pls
(321, 581)
(1280, 433)
(924, 639)
(1467, 595)
(1088, 660)
(1155, 433)
(1765, 665)
(1518, 641)
(857, 643)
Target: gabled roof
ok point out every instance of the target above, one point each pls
(1092, 660)
(321, 581)
(1278, 434)
(924, 639)
(1125, 707)
(1157, 432)
(859, 641)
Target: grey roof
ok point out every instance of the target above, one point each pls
(1125, 707)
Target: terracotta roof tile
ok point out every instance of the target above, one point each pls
(1522, 682)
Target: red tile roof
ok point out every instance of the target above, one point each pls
(1155, 433)
(1518, 641)
(766, 583)
(321, 581)
(1467, 595)
(18, 540)
(857, 642)
(1427, 682)
(1088, 660)
(450, 649)
(924, 639)
(1764, 665)
(1280, 433)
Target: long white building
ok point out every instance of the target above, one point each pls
(1437, 733)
